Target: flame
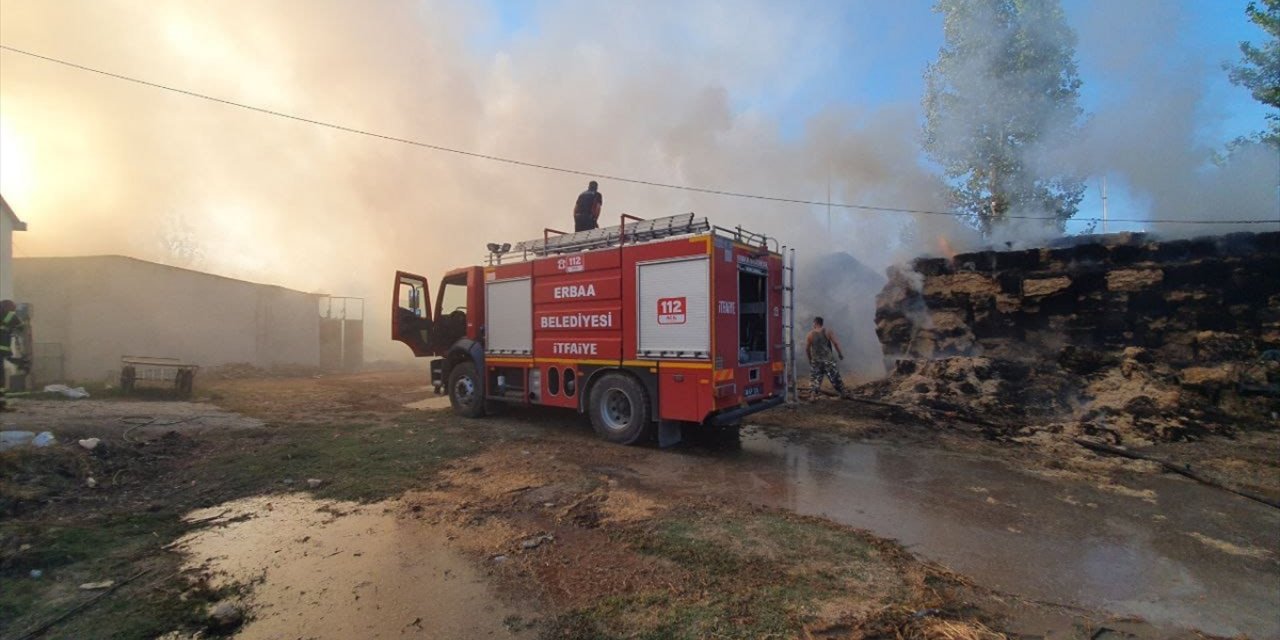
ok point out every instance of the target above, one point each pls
(945, 247)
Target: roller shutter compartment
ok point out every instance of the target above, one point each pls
(674, 308)
(509, 315)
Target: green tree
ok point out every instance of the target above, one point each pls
(1259, 70)
(1002, 94)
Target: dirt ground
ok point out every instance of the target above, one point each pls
(346, 506)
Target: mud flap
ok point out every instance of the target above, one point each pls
(669, 433)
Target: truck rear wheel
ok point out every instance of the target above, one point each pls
(466, 394)
(619, 410)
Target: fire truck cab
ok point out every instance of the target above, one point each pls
(644, 326)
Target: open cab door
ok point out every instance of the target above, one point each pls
(411, 313)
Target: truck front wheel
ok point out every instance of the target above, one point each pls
(466, 394)
(619, 410)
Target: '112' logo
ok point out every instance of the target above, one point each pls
(672, 310)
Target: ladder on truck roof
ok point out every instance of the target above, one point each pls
(638, 231)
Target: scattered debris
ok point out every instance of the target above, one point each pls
(195, 523)
(14, 439)
(62, 389)
(36, 574)
(1233, 549)
(1184, 470)
(314, 483)
(225, 616)
(537, 541)
(94, 586)
(89, 444)
(242, 370)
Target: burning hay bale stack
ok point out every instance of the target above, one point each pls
(1121, 334)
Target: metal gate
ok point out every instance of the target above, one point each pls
(47, 364)
(341, 333)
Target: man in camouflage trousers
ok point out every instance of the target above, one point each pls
(10, 325)
(819, 346)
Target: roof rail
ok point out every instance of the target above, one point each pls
(641, 231)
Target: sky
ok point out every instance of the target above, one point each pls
(883, 49)
(757, 96)
(878, 51)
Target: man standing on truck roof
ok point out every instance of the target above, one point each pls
(819, 347)
(586, 211)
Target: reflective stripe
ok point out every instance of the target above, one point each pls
(9, 316)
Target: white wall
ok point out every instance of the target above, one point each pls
(6, 256)
(100, 308)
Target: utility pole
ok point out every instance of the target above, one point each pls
(1104, 203)
(828, 200)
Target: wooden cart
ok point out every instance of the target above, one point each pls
(168, 371)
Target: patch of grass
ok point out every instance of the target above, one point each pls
(33, 475)
(18, 595)
(161, 606)
(55, 546)
(111, 547)
(753, 575)
(801, 538)
(354, 461)
(686, 542)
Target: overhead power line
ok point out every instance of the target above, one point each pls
(578, 172)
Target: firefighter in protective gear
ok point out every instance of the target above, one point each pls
(820, 346)
(10, 326)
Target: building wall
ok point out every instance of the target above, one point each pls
(100, 308)
(6, 256)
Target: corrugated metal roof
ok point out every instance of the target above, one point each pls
(159, 267)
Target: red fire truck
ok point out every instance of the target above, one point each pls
(646, 326)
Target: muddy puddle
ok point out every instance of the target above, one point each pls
(324, 569)
(1173, 552)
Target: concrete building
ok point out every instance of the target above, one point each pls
(88, 312)
(9, 223)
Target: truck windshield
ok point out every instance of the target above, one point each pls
(452, 321)
(453, 298)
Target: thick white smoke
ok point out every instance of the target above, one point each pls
(663, 92)
(119, 168)
(1154, 132)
